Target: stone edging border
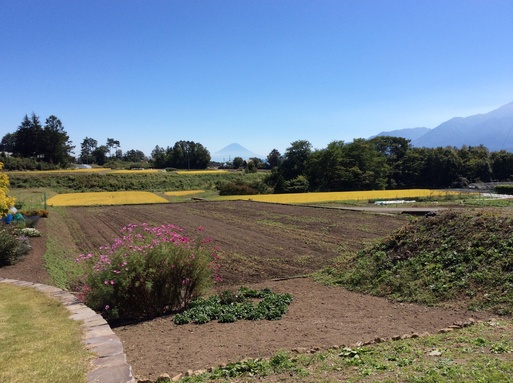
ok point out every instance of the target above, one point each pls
(110, 365)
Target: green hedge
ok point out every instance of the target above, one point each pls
(162, 181)
(504, 189)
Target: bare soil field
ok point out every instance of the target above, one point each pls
(262, 245)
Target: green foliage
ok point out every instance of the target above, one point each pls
(183, 155)
(149, 271)
(21, 164)
(504, 189)
(241, 187)
(49, 144)
(231, 306)
(161, 181)
(297, 185)
(454, 256)
(13, 245)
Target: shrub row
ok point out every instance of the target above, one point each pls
(504, 189)
(161, 181)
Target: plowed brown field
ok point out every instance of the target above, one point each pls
(262, 245)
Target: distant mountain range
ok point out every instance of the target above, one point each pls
(493, 130)
(228, 153)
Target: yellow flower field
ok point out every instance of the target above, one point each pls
(340, 196)
(105, 198)
(92, 170)
(134, 171)
(181, 193)
(192, 172)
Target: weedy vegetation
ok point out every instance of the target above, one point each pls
(453, 258)
(479, 353)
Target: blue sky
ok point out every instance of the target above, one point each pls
(261, 73)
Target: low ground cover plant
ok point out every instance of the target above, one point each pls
(147, 272)
(231, 306)
(463, 257)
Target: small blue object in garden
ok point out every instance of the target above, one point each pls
(7, 219)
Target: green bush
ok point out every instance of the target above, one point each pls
(241, 187)
(149, 271)
(504, 189)
(13, 245)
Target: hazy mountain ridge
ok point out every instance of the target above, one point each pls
(493, 130)
(410, 134)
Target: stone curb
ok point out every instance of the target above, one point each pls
(110, 365)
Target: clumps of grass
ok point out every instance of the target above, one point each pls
(478, 353)
(231, 306)
(454, 257)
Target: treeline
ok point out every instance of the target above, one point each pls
(48, 144)
(384, 162)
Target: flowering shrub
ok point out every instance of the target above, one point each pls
(13, 246)
(149, 271)
(30, 232)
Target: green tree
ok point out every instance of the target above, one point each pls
(86, 150)
(189, 155)
(274, 158)
(444, 167)
(112, 144)
(8, 142)
(57, 145)
(502, 165)
(394, 149)
(475, 163)
(29, 137)
(412, 170)
(134, 155)
(295, 159)
(237, 162)
(159, 157)
(259, 164)
(100, 154)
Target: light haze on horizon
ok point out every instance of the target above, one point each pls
(261, 73)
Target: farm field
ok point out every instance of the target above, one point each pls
(105, 198)
(141, 197)
(262, 245)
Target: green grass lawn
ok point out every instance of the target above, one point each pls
(38, 341)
